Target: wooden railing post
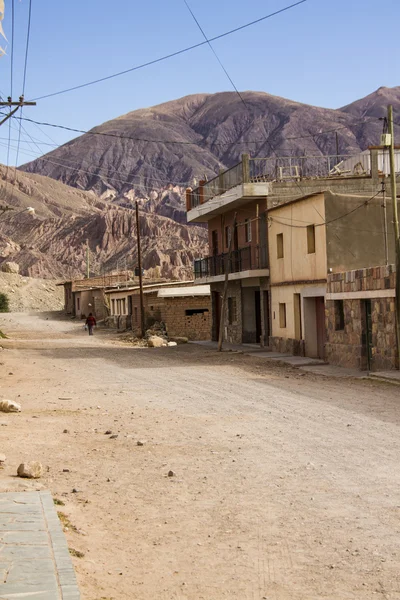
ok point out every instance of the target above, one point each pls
(245, 168)
(188, 199)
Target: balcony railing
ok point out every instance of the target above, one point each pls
(279, 169)
(244, 259)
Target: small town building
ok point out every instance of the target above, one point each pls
(276, 281)
(185, 309)
(361, 319)
(310, 238)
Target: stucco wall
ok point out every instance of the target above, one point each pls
(357, 240)
(291, 221)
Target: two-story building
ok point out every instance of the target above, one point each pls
(297, 219)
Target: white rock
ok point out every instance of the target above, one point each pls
(10, 267)
(172, 344)
(156, 342)
(9, 406)
(30, 470)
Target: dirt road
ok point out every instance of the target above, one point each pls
(286, 486)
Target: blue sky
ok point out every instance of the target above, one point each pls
(321, 52)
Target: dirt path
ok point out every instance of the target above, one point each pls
(286, 485)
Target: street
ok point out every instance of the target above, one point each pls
(285, 485)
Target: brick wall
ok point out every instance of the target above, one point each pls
(179, 324)
(348, 346)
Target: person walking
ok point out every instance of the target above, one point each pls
(90, 323)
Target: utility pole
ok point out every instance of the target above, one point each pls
(139, 253)
(87, 259)
(395, 224)
(225, 292)
(21, 102)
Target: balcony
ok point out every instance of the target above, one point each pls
(251, 261)
(254, 177)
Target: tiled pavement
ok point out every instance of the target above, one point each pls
(35, 563)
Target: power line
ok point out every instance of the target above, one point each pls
(184, 143)
(365, 203)
(177, 53)
(214, 52)
(27, 45)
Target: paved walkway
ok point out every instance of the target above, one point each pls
(34, 558)
(312, 365)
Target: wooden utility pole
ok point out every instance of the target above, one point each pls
(139, 253)
(87, 259)
(225, 292)
(395, 224)
(21, 102)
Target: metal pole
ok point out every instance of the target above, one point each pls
(395, 224)
(139, 253)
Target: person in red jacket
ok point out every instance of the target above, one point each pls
(90, 323)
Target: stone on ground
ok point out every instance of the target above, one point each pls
(156, 341)
(30, 470)
(9, 406)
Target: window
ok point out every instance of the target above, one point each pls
(339, 315)
(311, 239)
(195, 311)
(232, 313)
(279, 245)
(247, 230)
(151, 308)
(113, 307)
(282, 316)
(228, 234)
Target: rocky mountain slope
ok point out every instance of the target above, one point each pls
(52, 242)
(153, 154)
(174, 143)
(28, 294)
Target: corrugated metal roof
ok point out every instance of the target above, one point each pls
(193, 290)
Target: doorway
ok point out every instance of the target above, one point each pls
(297, 316)
(314, 326)
(257, 306)
(267, 322)
(216, 314)
(367, 334)
(320, 316)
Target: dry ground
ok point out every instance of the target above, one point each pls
(286, 485)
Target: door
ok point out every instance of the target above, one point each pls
(216, 314)
(320, 316)
(267, 331)
(297, 316)
(367, 333)
(257, 303)
(214, 242)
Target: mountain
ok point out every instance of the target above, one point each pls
(157, 152)
(52, 242)
(85, 189)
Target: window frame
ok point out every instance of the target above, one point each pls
(280, 252)
(311, 239)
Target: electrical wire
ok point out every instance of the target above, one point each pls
(183, 143)
(214, 52)
(27, 45)
(178, 52)
(365, 203)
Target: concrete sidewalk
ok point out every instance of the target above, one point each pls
(34, 558)
(311, 365)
